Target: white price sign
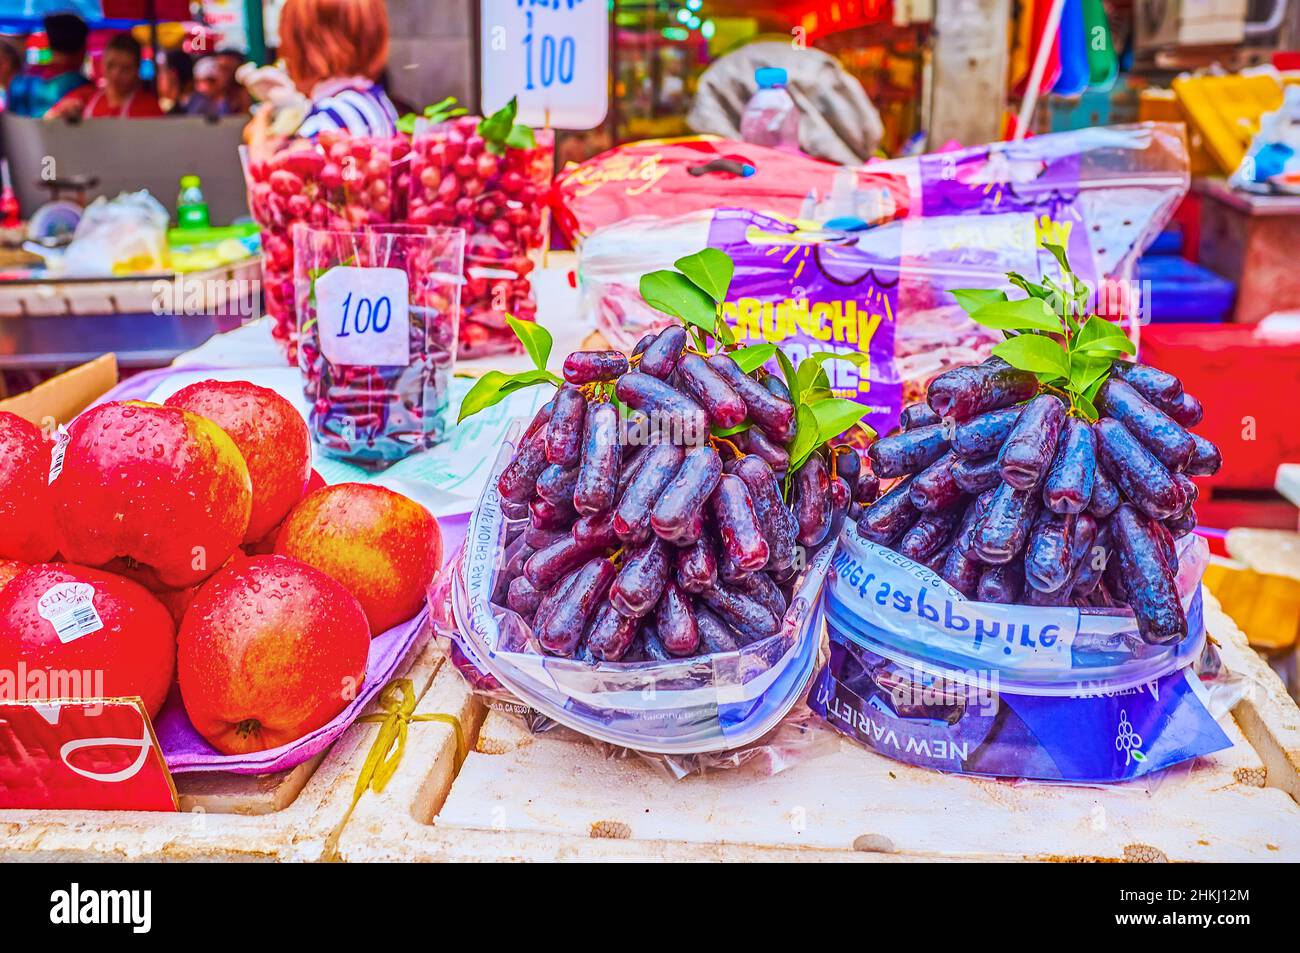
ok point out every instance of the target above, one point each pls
(551, 54)
(364, 316)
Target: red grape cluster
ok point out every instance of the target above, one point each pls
(1011, 498)
(497, 200)
(649, 537)
(336, 182)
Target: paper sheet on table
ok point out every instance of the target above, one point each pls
(447, 479)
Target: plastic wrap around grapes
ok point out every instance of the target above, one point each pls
(498, 200)
(334, 182)
(376, 414)
(690, 705)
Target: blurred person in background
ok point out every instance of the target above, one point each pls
(11, 64)
(123, 94)
(334, 52)
(175, 80)
(216, 92)
(35, 91)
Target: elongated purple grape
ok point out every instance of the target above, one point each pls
(516, 555)
(596, 530)
(633, 457)
(731, 572)
(744, 613)
(556, 484)
(1000, 534)
(1187, 410)
(564, 431)
(598, 473)
(738, 528)
(652, 647)
(761, 586)
(884, 520)
(964, 392)
(673, 415)
(522, 597)
(936, 487)
(641, 579)
(1105, 495)
(1002, 583)
(518, 481)
(985, 434)
(917, 415)
(694, 530)
(610, 633)
(545, 567)
(961, 572)
(772, 413)
(632, 515)
(547, 515)
(1182, 524)
(1068, 485)
(697, 568)
(538, 538)
(1191, 492)
(760, 444)
(1029, 448)
(644, 343)
(964, 540)
(1206, 459)
(812, 501)
(847, 465)
(908, 452)
(540, 420)
(562, 629)
(977, 475)
(1141, 478)
(778, 524)
(554, 597)
(929, 533)
(584, 367)
(718, 398)
(868, 488)
(684, 496)
(1152, 383)
(1091, 568)
(775, 385)
(1081, 541)
(1168, 442)
(1047, 551)
(514, 511)
(1033, 596)
(715, 635)
(1152, 594)
(840, 500)
(676, 624)
(659, 359)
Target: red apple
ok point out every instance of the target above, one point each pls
(266, 545)
(270, 434)
(384, 547)
(93, 635)
(156, 493)
(270, 650)
(26, 511)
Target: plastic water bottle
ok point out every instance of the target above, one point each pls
(191, 206)
(771, 117)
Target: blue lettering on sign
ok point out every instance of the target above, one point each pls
(553, 56)
(369, 315)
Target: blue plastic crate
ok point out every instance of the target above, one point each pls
(1180, 291)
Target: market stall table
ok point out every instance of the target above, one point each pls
(1250, 240)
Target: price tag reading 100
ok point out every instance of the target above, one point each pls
(364, 316)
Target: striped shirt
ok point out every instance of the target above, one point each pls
(361, 110)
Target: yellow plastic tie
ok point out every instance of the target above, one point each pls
(398, 703)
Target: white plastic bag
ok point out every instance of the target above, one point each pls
(124, 235)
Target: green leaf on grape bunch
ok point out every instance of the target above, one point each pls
(709, 270)
(791, 378)
(805, 437)
(1022, 314)
(495, 386)
(972, 299)
(500, 131)
(1037, 353)
(731, 431)
(836, 415)
(535, 339)
(520, 137)
(752, 358)
(674, 294)
(1101, 337)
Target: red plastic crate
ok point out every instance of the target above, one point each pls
(1249, 384)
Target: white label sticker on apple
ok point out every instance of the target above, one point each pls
(70, 608)
(364, 316)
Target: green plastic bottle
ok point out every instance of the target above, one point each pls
(191, 207)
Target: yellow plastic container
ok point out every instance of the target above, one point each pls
(1226, 111)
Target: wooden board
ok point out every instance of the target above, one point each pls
(520, 797)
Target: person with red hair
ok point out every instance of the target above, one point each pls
(334, 51)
